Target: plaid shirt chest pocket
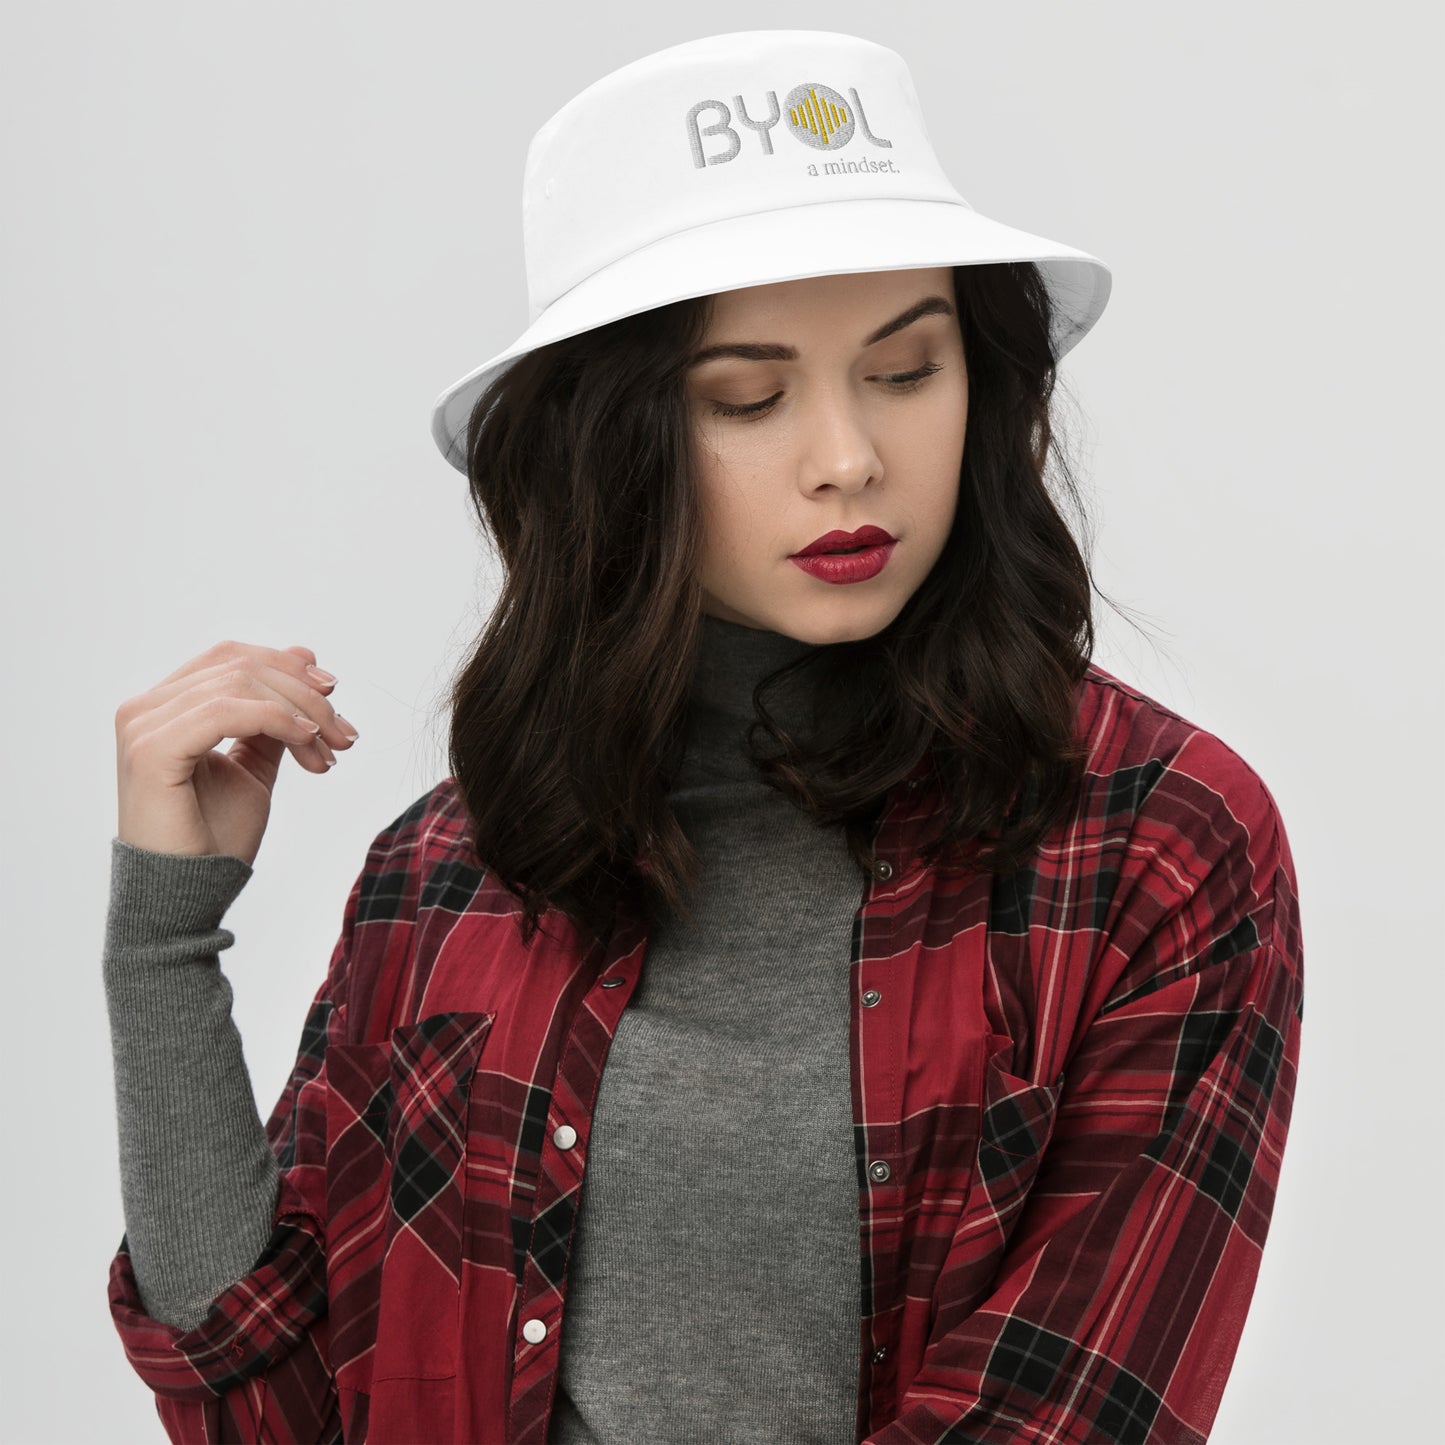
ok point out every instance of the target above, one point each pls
(1017, 1123)
(396, 1148)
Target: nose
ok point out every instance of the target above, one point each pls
(836, 446)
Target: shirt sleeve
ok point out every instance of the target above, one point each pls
(197, 1173)
(1122, 1292)
(257, 1367)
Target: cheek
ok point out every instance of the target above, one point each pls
(930, 450)
(927, 441)
(737, 464)
(731, 513)
(950, 416)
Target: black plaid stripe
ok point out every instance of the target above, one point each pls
(1017, 1118)
(432, 1062)
(1031, 1360)
(552, 1237)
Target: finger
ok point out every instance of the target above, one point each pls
(218, 654)
(283, 671)
(170, 747)
(306, 697)
(248, 680)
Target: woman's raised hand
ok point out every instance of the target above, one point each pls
(176, 792)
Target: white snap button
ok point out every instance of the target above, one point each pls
(565, 1137)
(534, 1332)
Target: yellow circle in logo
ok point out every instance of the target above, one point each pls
(819, 116)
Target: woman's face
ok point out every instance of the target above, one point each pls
(848, 438)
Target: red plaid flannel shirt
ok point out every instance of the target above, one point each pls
(1070, 1089)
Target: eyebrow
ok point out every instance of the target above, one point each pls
(772, 351)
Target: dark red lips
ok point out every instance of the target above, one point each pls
(836, 541)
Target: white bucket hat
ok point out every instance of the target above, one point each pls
(739, 160)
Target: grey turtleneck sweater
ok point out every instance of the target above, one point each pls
(726, 1096)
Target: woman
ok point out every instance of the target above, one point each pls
(919, 1003)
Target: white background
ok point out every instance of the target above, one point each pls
(244, 247)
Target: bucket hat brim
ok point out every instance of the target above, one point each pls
(820, 239)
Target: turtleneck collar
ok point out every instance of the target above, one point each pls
(732, 658)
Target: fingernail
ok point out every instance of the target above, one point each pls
(319, 675)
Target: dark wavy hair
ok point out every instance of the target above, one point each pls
(568, 721)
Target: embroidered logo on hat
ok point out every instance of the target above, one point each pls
(817, 115)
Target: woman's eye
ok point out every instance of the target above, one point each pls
(907, 380)
(722, 408)
(898, 381)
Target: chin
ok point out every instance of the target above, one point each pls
(842, 624)
(826, 621)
